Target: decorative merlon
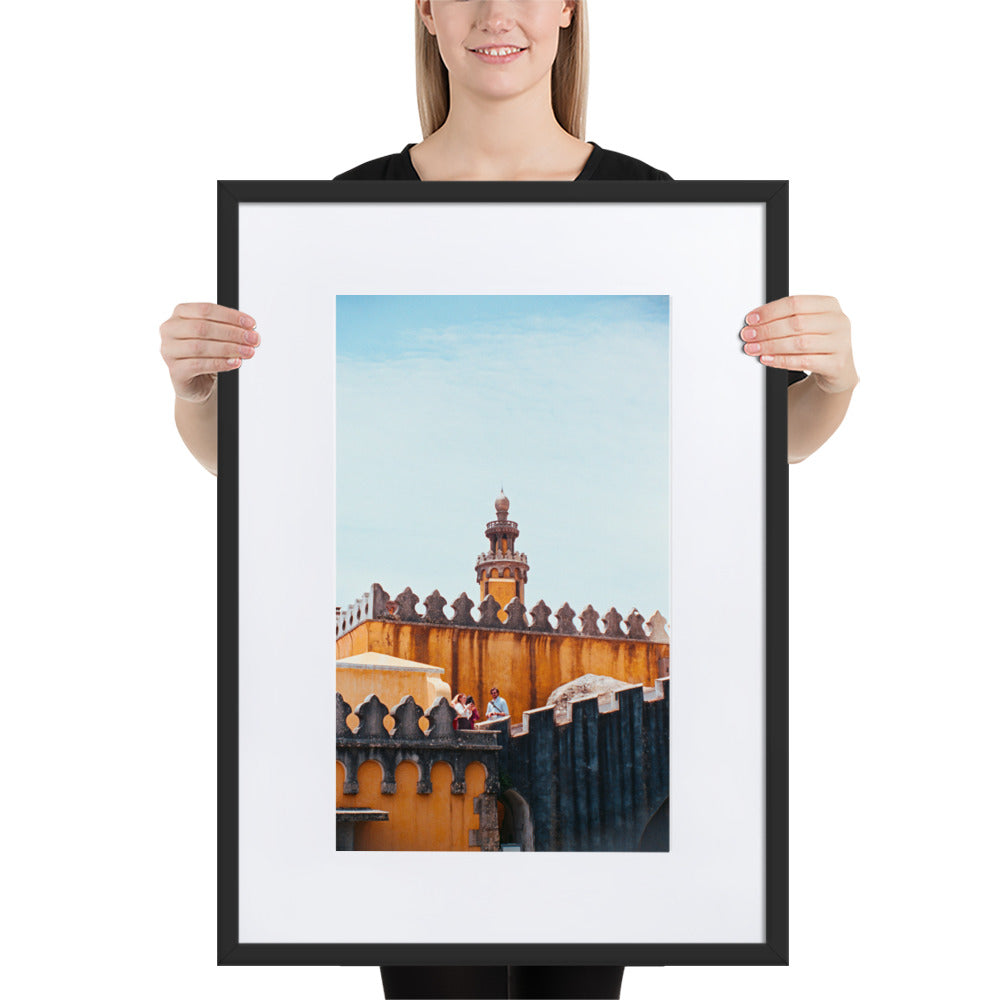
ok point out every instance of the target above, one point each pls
(376, 605)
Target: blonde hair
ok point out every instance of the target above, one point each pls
(569, 77)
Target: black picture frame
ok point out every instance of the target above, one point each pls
(773, 950)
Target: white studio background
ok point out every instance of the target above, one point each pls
(118, 119)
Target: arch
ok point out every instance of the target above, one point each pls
(517, 826)
(407, 776)
(474, 778)
(494, 574)
(442, 774)
(370, 778)
(656, 834)
(506, 573)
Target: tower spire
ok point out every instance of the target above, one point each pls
(502, 571)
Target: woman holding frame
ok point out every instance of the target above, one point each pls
(502, 95)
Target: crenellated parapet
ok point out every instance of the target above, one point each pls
(591, 783)
(377, 605)
(407, 740)
(594, 782)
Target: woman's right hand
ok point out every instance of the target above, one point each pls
(202, 339)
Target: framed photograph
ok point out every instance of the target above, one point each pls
(502, 576)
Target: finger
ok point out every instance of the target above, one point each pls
(218, 314)
(180, 328)
(792, 362)
(800, 323)
(816, 343)
(175, 350)
(790, 305)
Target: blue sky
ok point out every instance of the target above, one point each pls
(562, 400)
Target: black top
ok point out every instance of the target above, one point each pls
(601, 165)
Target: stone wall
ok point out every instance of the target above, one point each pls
(594, 782)
(526, 659)
(376, 604)
(436, 807)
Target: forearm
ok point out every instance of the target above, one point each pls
(813, 416)
(198, 424)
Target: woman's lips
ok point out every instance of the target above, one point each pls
(498, 54)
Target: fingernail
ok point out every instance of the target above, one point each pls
(753, 318)
(233, 361)
(247, 321)
(752, 348)
(252, 338)
(749, 333)
(767, 358)
(246, 352)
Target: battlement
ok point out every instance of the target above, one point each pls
(595, 781)
(406, 739)
(376, 605)
(591, 783)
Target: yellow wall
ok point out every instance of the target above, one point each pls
(526, 666)
(440, 821)
(354, 684)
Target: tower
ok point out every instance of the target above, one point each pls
(502, 571)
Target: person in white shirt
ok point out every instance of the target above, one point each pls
(497, 708)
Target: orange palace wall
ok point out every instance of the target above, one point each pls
(440, 821)
(526, 666)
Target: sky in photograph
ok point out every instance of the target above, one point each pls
(561, 400)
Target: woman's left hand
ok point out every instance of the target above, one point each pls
(804, 333)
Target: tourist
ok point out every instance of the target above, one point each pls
(511, 117)
(474, 717)
(461, 720)
(497, 707)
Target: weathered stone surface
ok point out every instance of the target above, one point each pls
(388, 777)
(441, 716)
(351, 786)
(565, 616)
(462, 607)
(487, 837)
(540, 617)
(588, 621)
(370, 714)
(586, 686)
(406, 606)
(435, 609)
(658, 628)
(613, 623)
(488, 613)
(515, 616)
(407, 715)
(380, 601)
(594, 781)
(634, 622)
(343, 711)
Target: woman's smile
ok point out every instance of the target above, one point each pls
(498, 53)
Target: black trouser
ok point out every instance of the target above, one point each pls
(500, 982)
